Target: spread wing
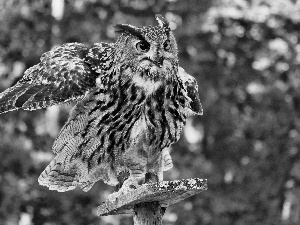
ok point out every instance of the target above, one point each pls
(191, 87)
(64, 74)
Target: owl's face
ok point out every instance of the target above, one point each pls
(149, 51)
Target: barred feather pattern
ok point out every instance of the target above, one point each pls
(64, 74)
(100, 129)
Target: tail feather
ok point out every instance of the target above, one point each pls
(64, 174)
(57, 177)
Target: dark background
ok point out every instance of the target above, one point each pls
(245, 57)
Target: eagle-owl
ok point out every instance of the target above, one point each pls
(132, 102)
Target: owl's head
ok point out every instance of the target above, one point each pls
(150, 50)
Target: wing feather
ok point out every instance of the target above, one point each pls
(191, 87)
(64, 74)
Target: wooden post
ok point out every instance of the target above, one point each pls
(147, 213)
(148, 202)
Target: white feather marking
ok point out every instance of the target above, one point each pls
(148, 85)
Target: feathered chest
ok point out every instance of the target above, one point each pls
(160, 119)
(127, 113)
(153, 115)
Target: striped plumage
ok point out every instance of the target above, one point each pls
(133, 103)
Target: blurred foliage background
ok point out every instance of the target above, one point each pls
(245, 55)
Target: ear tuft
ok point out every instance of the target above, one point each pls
(129, 29)
(163, 23)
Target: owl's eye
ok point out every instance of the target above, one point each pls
(143, 46)
(167, 45)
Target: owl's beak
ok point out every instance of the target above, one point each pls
(159, 61)
(158, 58)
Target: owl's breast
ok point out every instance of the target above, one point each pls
(160, 121)
(128, 116)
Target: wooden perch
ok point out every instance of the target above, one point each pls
(148, 201)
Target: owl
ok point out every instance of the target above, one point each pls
(132, 101)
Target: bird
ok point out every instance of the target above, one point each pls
(132, 101)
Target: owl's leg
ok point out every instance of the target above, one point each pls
(155, 168)
(135, 160)
(136, 173)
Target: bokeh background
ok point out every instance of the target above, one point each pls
(245, 55)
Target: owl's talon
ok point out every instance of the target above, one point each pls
(130, 184)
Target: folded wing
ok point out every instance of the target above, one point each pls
(191, 87)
